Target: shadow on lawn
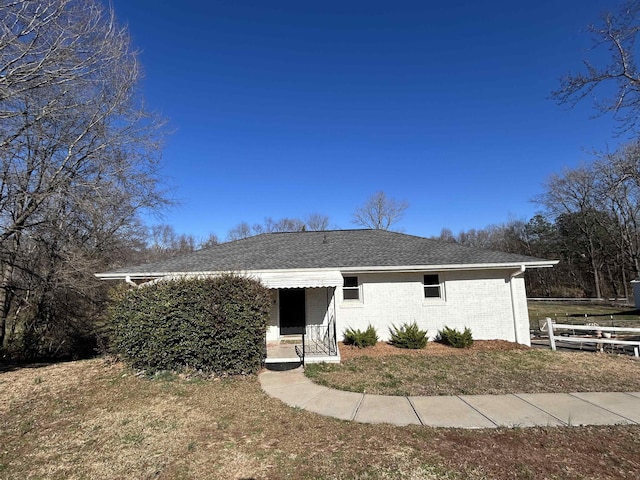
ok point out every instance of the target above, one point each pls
(12, 366)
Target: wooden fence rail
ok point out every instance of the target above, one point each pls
(552, 327)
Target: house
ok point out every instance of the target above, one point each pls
(326, 281)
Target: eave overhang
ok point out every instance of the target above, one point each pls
(324, 276)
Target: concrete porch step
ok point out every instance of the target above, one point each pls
(282, 353)
(290, 339)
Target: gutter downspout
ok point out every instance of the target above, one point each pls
(520, 271)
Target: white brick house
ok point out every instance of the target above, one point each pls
(324, 282)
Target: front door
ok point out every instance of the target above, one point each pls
(292, 311)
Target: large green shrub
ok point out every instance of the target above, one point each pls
(216, 325)
(361, 339)
(455, 338)
(408, 335)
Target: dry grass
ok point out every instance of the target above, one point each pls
(605, 314)
(94, 420)
(383, 349)
(487, 368)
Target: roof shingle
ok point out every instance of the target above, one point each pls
(327, 249)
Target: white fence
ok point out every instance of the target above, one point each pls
(601, 335)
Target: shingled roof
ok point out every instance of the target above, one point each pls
(333, 249)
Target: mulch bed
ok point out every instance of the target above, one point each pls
(383, 349)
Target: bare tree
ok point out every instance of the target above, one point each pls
(162, 242)
(380, 212)
(284, 224)
(446, 235)
(166, 242)
(573, 196)
(208, 241)
(619, 187)
(316, 222)
(313, 222)
(78, 150)
(616, 34)
(240, 231)
(610, 209)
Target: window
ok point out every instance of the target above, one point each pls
(351, 290)
(432, 288)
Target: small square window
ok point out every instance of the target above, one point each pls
(351, 289)
(432, 287)
(350, 282)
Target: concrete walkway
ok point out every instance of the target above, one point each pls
(460, 411)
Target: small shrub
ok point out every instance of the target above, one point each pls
(455, 338)
(408, 336)
(361, 339)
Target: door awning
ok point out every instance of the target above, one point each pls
(301, 279)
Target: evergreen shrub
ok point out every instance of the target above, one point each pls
(214, 325)
(408, 335)
(455, 338)
(359, 338)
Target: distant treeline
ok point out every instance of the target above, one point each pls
(590, 222)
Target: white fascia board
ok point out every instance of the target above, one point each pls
(396, 268)
(133, 276)
(139, 275)
(449, 267)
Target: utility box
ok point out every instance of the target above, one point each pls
(636, 292)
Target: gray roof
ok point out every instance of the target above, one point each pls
(340, 249)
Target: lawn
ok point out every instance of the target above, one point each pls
(97, 420)
(483, 369)
(605, 314)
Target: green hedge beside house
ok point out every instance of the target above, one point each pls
(215, 325)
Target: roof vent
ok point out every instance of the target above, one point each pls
(324, 239)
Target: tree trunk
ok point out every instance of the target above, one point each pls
(594, 266)
(5, 300)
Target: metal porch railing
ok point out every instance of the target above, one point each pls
(319, 340)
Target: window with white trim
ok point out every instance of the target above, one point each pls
(351, 289)
(432, 286)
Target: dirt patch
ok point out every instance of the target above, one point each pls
(383, 349)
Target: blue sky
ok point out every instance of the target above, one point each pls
(285, 108)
